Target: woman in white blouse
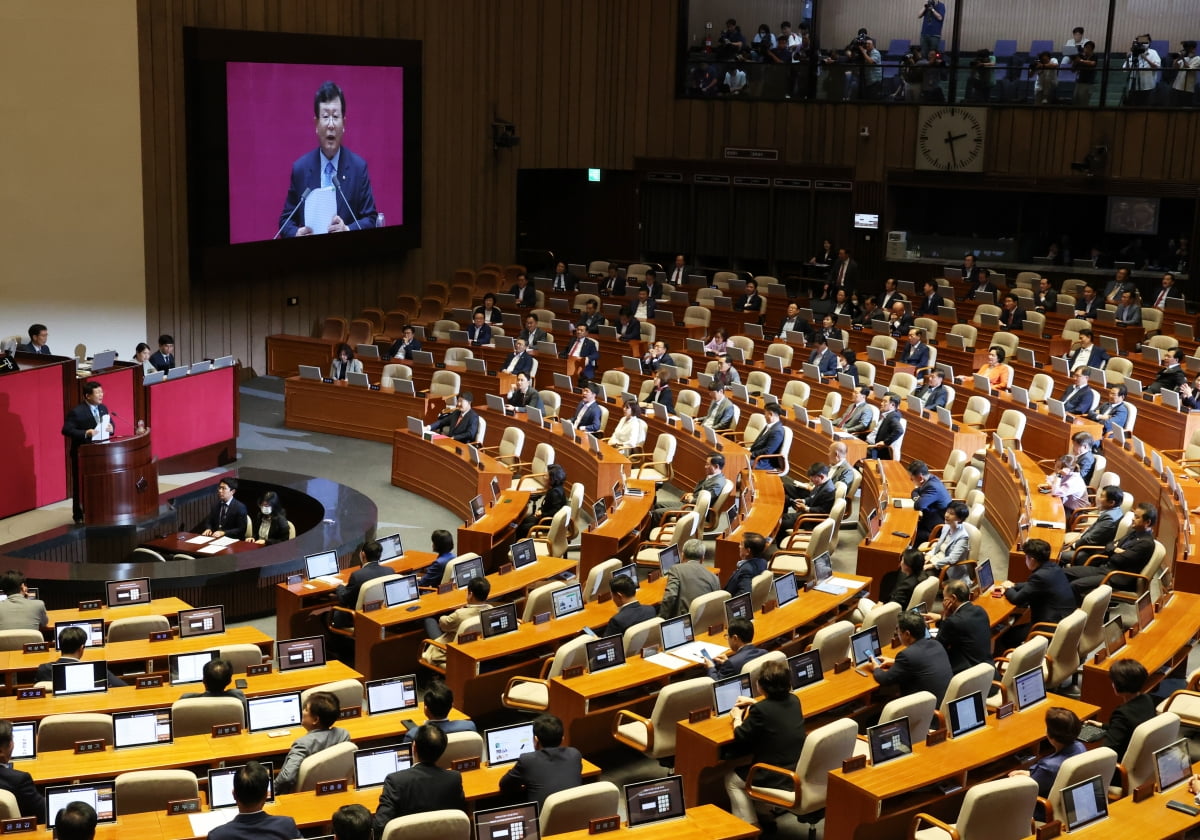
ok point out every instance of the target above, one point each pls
(142, 355)
(631, 430)
(1068, 485)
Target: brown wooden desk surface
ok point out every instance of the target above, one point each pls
(178, 544)
(707, 822)
(764, 517)
(492, 535)
(441, 471)
(1149, 819)
(158, 606)
(620, 534)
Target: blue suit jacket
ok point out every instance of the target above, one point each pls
(590, 351)
(828, 363)
(355, 185)
(524, 364)
(917, 356)
(931, 501)
(768, 443)
(590, 421)
(479, 335)
(631, 331)
(1079, 402)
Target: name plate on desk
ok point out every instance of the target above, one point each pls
(224, 730)
(1005, 710)
(716, 629)
(91, 745)
(1049, 830)
(350, 712)
(183, 806)
(769, 606)
(30, 693)
(90, 604)
(372, 606)
(1131, 633)
(600, 825)
(541, 618)
(506, 569)
(443, 588)
(604, 598)
(332, 786)
(654, 575)
(258, 670)
(935, 737)
(572, 672)
(154, 681)
(1143, 791)
(466, 638)
(159, 636)
(841, 666)
(16, 826)
(36, 647)
(462, 765)
(697, 715)
(858, 762)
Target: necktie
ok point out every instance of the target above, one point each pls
(328, 180)
(221, 520)
(558, 282)
(842, 275)
(678, 278)
(1162, 298)
(96, 414)
(576, 346)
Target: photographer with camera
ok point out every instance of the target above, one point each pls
(932, 16)
(1143, 62)
(1187, 63)
(1084, 65)
(983, 73)
(912, 73)
(862, 52)
(1044, 71)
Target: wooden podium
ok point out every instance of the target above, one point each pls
(119, 480)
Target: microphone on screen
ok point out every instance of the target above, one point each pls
(299, 204)
(337, 184)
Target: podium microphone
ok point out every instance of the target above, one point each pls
(299, 204)
(343, 195)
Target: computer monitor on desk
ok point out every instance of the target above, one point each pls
(123, 593)
(567, 601)
(93, 628)
(392, 547)
(372, 766)
(1085, 803)
(498, 620)
(402, 590)
(307, 652)
(654, 801)
(220, 785)
(805, 668)
(505, 744)
(605, 653)
(102, 796)
(202, 621)
(141, 728)
(274, 711)
(726, 691)
(1030, 688)
(392, 694)
(967, 714)
(467, 571)
(187, 668)
(865, 645)
(889, 741)
(321, 564)
(786, 589)
(512, 822)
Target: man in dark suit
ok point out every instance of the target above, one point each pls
(228, 516)
(889, 430)
(591, 317)
(628, 329)
(613, 284)
(1101, 532)
(713, 481)
(330, 165)
(916, 353)
(655, 356)
(1012, 316)
(1079, 398)
(843, 274)
(38, 335)
(678, 274)
(462, 424)
(550, 768)
(1088, 304)
(587, 417)
(523, 291)
(933, 393)
(71, 643)
(1087, 354)
(85, 421)
(890, 295)
(751, 301)
(629, 610)
(644, 306)
(404, 347)
(30, 803)
(523, 395)
(741, 650)
(217, 674)
(422, 787)
(583, 348)
(77, 821)
(164, 358)
(823, 358)
(900, 319)
(479, 333)
(816, 500)
(654, 289)
(792, 322)
(930, 498)
(1045, 299)
(1167, 291)
(982, 284)
(1172, 374)
(769, 440)
(347, 595)
(752, 563)
(1128, 678)
(518, 361)
(1129, 554)
(970, 272)
(964, 630)
(438, 703)
(931, 300)
(921, 666)
(532, 333)
(720, 410)
(562, 281)
(1114, 412)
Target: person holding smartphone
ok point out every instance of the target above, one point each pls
(922, 665)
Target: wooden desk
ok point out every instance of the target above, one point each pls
(621, 532)
(441, 471)
(1149, 819)
(764, 517)
(881, 556)
(707, 822)
(492, 535)
(168, 607)
(178, 544)
(336, 408)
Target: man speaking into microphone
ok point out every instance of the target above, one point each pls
(329, 165)
(89, 421)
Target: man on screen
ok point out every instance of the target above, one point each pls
(330, 165)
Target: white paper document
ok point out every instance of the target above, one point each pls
(224, 541)
(211, 549)
(319, 209)
(101, 432)
(666, 660)
(206, 821)
(199, 540)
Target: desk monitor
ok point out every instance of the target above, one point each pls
(865, 645)
(422, 357)
(523, 552)
(322, 564)
(599, 513)
(513, 822)
(505, 744)
(654, 801)
(1020, 395)
(566, 601)
(187, 668)
(274, 711)
(122, 593)
(496, 403)
(1030, 688)
(80, 677)
(220, 785)
(94, 628)
(874, 523)
(632, 364)
(402, 590)
(372, 766)
(141, 728)
(1172, 764)
(668, 557)
(498, 620)
(308, 652)
(786, 589)
(726, 692)
(629, 571)
(987, 578)
(102, 796)
(605, 653)
(618, 492)
(392, 546)
(495, 488)
(1057, 408)
(404, 387)
(204, 621)
(1145, 611)
(739, 606)
(24, 735)
(822, 567)
(392, 694)
(309, 372)
(358, 379)
(459, 337)
(889, 741)
(180, 372)
(805, 668)
(967, 714)
(1085, 802)
(981, 383)
(534, 415)
(1114, 636)
(467, 571)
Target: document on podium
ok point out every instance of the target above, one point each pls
(319, 209)
(101, 433)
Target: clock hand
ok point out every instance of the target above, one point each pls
(956, 137)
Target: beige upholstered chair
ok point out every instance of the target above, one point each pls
(241, 656)
(998, 810)
(17, 639)
(1029, 654)
(575, 808)
(9, 809)
(833, 643)
(655, 736)
(392, 372)
(349, 692)
(450, 824)
(1137, 765)
(151, 790)
(599, 578)
(534, 478)
(977, 678)
(137, 628)
(532, 694)
(512, 444)
(1101, 762)
(198, 715)
(1062, 651)
(60, 732)
(642, 634)
(336, 762)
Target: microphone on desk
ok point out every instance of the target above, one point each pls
(343, 195)
(299, 204)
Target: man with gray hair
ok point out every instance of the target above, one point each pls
(686, 581)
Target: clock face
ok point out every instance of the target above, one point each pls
(951, 139)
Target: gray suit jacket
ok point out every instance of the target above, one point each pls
(686, 582)
(304, 746)
(720, 414)
(859, 419)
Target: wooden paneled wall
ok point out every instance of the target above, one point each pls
(587, 84)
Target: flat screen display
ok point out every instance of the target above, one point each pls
(402, 590)
(668, 557)
(805, 668)
(865, 645)
(392, 694)
(308, 652)
(24, 740)
(605, 653)
(80, 677)
(122, 593)
(93, 628)
(466, 571)
(515, 822)
(220, 785)
(654, 801)
(498, 620)
(275, 711)
(506, 744)
(629, 571)
(889, 741)
(371, 767)
(740, 606)
(726, 692)
(1030, 688)
(141, 728)
(967, 714)
(205, 621)
(1172, 764)
(786, 589)
(102, 796)
(189, 667)
(392, 546)
(866, 221)
(567, 601)
(523, 552)
(322, 564)
(1085, 802)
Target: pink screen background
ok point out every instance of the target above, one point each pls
(271, 125)
(118, 396)
(31, 442)
(192, 412)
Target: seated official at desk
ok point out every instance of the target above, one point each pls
(933, 393)
(613, 284)
(911, 572)
(319, 718)
(518, 361)
(686, 581)
(523, 291)
(963, 629)
(443, 546)
(857, 419)
(77, 821)
(18, 611)
(1087, 354)
(630, 611)
(1189, 395)
(1088, 303)
(18, 783)
(930, 300)
(270, 522)
(1062, 731)
(1129, 554)
(550, 768)
(522, 395)
(217, 674)
(655, 356)
(952, 545)
(582, 347)
(916, 352)
(1078, 397)
(1067, 484)
(998, 374)
(532, 334)
(1045, 298)
(628, 327)
(1046, 593)
(344, 363)
(713, 481)
(228, 517)
(1012, 316)
(1129, 310)
(369, 569)
(645, 306)
(591, 318)
(741, 650)
(141, 355)
(164, 358)
(351, 822)
(422, 787)
(718, 342)
(1172, 376)
(1128, 678)
(816, 499)
(462, 424)
(770, 731)
(930, 499)
(479, 333)
(1100, 533)
(752, 564)
(587, 417)
(661, 392)
(406, 345)
(438, 703)
(630, 433)
(824, 359)
(553, 500)
(490, 311)
(720, 410)
(250, 786)
(921, 666)
(38, 336)
(769, 440)
(445, 629)
(889, 430)
(1113, 413)
(71, 643)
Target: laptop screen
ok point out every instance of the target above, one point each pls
(618, 491)
(822, 567)
(987, 579)
(629, 571)
(1145, 611)
(24, 740)
(1172, 764)
(372, 766)
(654, 801)
(506, 744)
(786, 589)
(676, 632)
(498, 620)
(967, 714)
(567, 600)
(94, 630)
(477, 508)
(1114, 636)
(392, 694)
(605, 653)
(805, 668)
(308, 652)
(275, 711)
(726, 692)
(124, 592)
(495, 487)
(889, 740)
(515, 822)
(392, 546)
(523, 553)
(865, 644)
(204, 621)
(1085, 802)
(189, 667)
(467, 571)
(668, 557)
(320, 565)
(740, 606)
(141, 728)
(402, 590)
(80, 678)
(102, 796)
(599, 512)
(220, 785)
(1030, 688)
